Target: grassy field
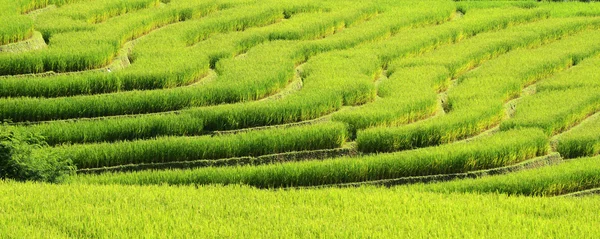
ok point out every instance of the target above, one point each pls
(66, 211)
(246, 118)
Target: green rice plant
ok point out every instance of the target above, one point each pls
(25, 6)
(94, 12)
(571, 9)
(229, 89)
(567, 177)
(468, 54)
(170, 149)
(303, 105)
(123, 128)
(238, 19)
(581, 141)
(35, 210)
(584, 75)
(453, 126)
(475, 104)
(76, 51)
(140, 78)
(406, 97)
(109, 8)
(147, 73)
(502, 149)
(417, 41)
(376, 115)
(15, 28)
(554, 111)
(337, 68)
(469, 6)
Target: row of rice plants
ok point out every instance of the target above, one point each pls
(554, 111)
(230, 89)
(96, 12)
(21, 6)
(80, 16)
(320, 95)
(177, 65)
(15, 28)
(115, 129)
(570, 176)
(472, 23)
(582, 140)
(34, 210)
(583, 75)
(560, 103)
(465, 55)
(83, 16)
(502, 149)
(424, 82)
(239, 20)
(570, 9)
(87, 14)
(84, 50)
(475, 104)
(26, 6)
(405, 97)
(170, 149)
(556, 8)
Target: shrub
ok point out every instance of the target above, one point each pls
(19, 160)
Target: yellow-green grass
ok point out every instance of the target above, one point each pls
(321, 87)
(581, 141)
(475, 103)
(171, 149)
(499, 150)
(35, 210)
(570, 176)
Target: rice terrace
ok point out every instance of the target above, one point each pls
(299, 119)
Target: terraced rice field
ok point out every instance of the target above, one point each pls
(242, 118)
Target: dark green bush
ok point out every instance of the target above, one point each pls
(20, 160)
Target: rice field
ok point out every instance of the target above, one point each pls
(296, 119)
